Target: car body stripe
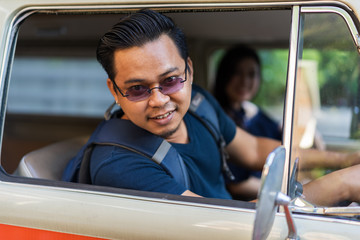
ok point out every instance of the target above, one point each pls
(10, 232)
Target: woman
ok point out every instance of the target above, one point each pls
(237, 82)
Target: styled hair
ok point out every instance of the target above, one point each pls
(227, 68)
(136, 30)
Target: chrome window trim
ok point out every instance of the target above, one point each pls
(290, 93)
(345, 15)
(6, 64)
(291, 78)
(121, 6)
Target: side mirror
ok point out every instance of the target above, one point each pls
(270, 197)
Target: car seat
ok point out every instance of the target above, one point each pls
(50, 161)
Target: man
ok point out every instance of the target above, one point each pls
(150, 77)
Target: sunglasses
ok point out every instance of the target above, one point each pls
(141, 92)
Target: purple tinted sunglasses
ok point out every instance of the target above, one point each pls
(140, 92)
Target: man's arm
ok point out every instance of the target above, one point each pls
(250, 151)
(312, 158)
(334, 187)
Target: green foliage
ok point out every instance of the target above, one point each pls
(274, 72)
(338, 75)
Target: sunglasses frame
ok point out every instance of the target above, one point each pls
(148, 90)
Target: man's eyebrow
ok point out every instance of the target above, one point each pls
(139, 80)
(170, 70)
(134, 80)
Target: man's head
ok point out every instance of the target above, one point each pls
(150, 74)
(134, 31)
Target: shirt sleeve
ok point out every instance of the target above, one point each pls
(118, 167)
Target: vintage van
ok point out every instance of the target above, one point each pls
(53, 94)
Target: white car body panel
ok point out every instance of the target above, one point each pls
(115, 216)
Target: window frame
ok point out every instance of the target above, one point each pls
(11, 44)
(295, 49)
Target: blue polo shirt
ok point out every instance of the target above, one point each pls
(118, 167)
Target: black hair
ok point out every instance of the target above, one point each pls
(227, 68)
(136, 30)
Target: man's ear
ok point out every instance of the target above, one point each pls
(111, 87)
(190, 70)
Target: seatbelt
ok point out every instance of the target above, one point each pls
(205, 113)
(140, 141)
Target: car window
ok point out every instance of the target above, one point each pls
(57, 90)
(326, 108)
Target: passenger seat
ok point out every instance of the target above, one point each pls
(50, 161)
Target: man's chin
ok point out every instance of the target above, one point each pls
(166, 131)
(168, 134)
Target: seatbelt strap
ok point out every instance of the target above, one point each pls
(140, 141)
(201, 109)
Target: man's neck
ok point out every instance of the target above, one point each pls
(180, 135)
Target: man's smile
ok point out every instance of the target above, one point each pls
(164, 115)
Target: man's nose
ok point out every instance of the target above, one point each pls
(157, 99)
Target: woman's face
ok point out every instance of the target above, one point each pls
(245, 82)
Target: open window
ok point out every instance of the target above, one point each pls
(57, 91)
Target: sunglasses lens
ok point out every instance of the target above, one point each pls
(137, 93)
(172, 85)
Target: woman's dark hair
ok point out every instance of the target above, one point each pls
(137, 29)
(227, 68)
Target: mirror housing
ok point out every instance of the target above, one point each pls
(270, 197)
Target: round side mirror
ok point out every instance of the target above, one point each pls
(271, 180)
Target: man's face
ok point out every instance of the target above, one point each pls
(148, 66)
